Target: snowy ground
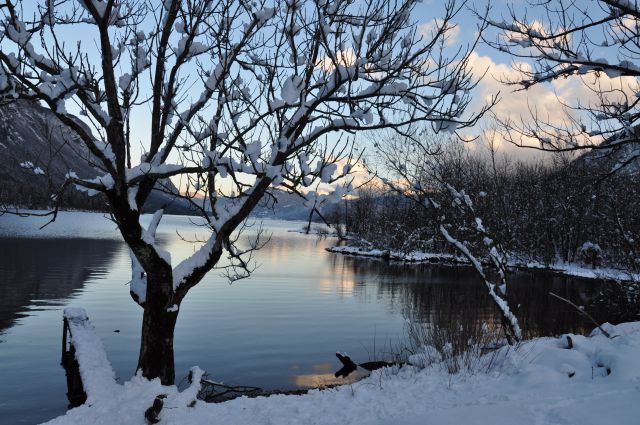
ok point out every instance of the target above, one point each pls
(569, 269)
(540, 382)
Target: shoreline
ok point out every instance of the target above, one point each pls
(421, 257)
(589, 380)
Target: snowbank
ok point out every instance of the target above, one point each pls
(577, 270)
(541, 381)
(413, 256)
(568, 269)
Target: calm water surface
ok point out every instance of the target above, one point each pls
(277, 330)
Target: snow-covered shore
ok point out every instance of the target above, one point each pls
(568, 269)
(541, 381)
(410, 257)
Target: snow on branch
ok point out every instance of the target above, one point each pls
(497, 299)
(597, 48)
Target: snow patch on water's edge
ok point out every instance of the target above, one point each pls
(568, 269)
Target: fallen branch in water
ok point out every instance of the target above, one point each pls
(350, 366)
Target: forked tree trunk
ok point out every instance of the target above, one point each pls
(156, 341)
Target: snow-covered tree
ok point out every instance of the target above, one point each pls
(595, 43)
(240, 97)
(418, 174)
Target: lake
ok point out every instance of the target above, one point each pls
(279, 329)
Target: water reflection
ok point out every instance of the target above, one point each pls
(36, 273)
(324, 376)
(279, 329)
(445, 296)
(342, 282)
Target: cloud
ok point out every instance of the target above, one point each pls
(428, 31)
(512, 103)
(346, 57)
(546, 99)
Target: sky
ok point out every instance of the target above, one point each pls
(484, 61)
(492, 67)
(547, 98)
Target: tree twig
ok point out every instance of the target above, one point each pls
(581, 311)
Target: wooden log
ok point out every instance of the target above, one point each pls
(345, 360)
(65, 330)
(348, 366)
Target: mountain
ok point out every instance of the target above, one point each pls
(37, 151)
(287, 206)
(33, 140)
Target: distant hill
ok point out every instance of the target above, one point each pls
(37, 151)
(287, 207)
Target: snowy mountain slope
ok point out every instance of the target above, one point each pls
(37, 151)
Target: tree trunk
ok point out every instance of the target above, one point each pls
(156, 346)
(158, 325)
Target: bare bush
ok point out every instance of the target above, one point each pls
(458, 346)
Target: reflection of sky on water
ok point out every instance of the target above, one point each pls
(323, 376)
(278, 329)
